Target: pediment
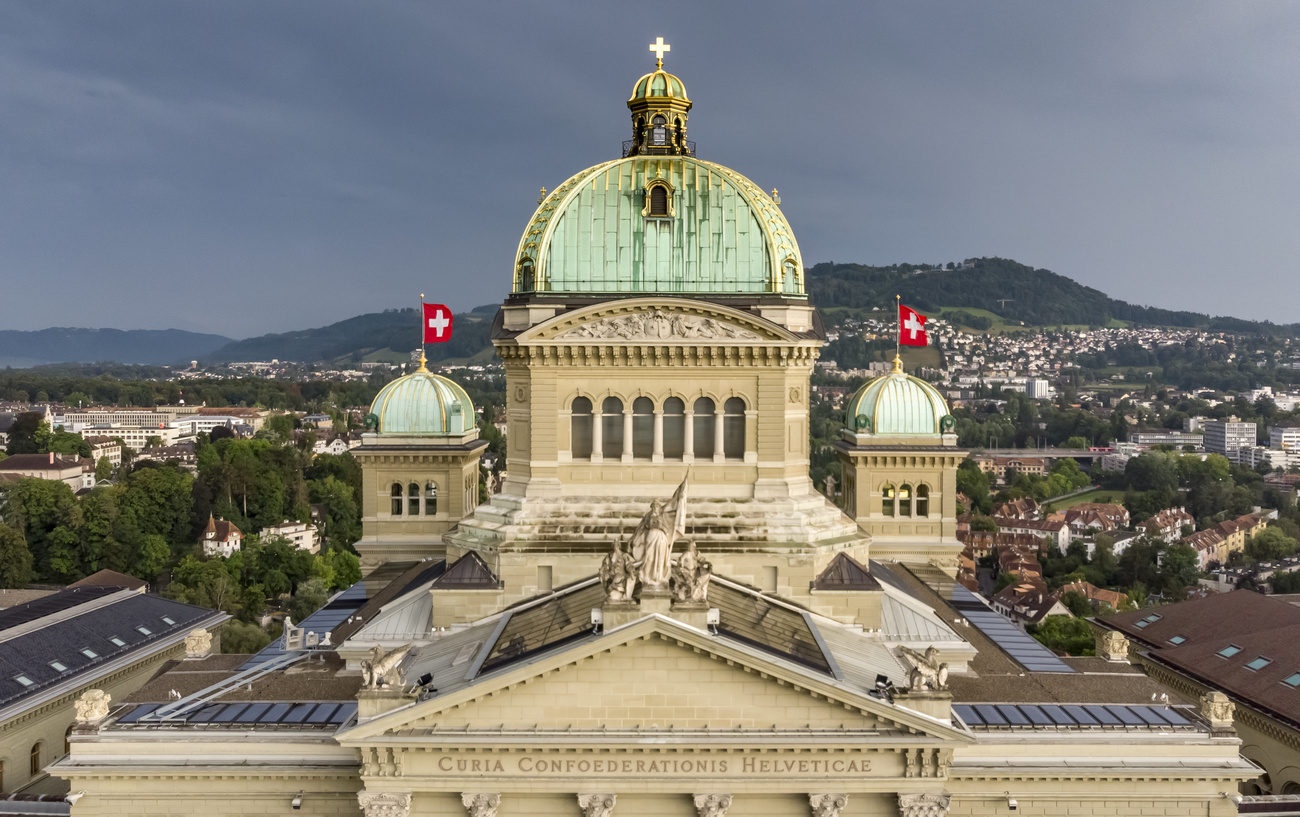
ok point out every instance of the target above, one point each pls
(654, 674)
(657, 320)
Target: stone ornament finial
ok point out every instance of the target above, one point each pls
(92, 706)
(597, 805)
(384, 668)
(689, 581)
(923, 805)
(1217, 708)
(480, 804)
(198, 644)
(827, 805)
(1112, 645)
(384, 803)
(712, 805)
(928, 672)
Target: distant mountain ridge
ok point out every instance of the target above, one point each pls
(21, 349)
(1038, 297)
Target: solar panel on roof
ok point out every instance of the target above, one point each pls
(990, 715)
(274, 714)
(544, 625)
(344, 713)
(968, 714)
(1058, 715)
(298, 714)
(206, 714)
(322, 713)
(1013, 715)
(230, 713)
(1172, 716)
(1081, 715)
(137, 713)
(1102, 714)
(253, 712)
(1036, 715)
(1125, 715)
(1146, 714)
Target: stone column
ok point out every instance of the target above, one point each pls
(923, 805)
(627, 433)
(718, 455)
(597, 805)
(827, 805)
(480, 804)
(597, 433)
(712, 805)
(658, 454)
(384, 803)
(688, 439)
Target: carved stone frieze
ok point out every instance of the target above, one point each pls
(92, 706)
(198, 644)
(480, 804)
(597, 805)
(923, 805)
(827, 805)
(712, 805)
(657, 325)
(384, 803)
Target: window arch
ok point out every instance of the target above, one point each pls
(659, 132)
(611, 428)
(35, 761)
(887, 499)
(674, 428)
(527, 278)
(923, 500)
(659, 201)
(733, 428)
(905, 500)
(704, 423)
(643, 428)
(413, 499)
(580, 428)
(430, 498)
(396, 493)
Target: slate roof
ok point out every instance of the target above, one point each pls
(111, 578)
(53, 629)
(1258, 626)
(844, 573)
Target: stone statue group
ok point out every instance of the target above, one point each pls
(648, 565)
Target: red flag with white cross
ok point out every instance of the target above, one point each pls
(437, 323)
(911, 327)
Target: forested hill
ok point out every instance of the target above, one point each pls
(153, 347)
(1038, 297)
(391, 334)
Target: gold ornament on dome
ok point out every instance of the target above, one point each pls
(659, 47)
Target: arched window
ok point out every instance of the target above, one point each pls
(659, 135)
(674, 428)
(643, 428)
(430, 498)
(397, 499)
(922, 500)
(580, 429)
(659, 201)
(36, 758)
(527, 280)
(905, 500)
(413, 499)
(887, 499)
(611, 428)
(733, 428)
(704, 424)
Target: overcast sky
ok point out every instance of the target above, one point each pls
(253, 167)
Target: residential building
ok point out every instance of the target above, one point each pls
(220, 538)
(53, 649)
(135, 437)
(1166, 436)
(1096, 516)
(1284, 438)
(1227, 436)
(1023, 508)
(1095, 594)
(77, 472)
(105, 447)
(1055, 528)
(1038, 389)
(114, 417)
(1028, 601)
(1167, 525)
(300, 534)
(1217, 544)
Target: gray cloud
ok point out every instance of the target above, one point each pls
(245, 167)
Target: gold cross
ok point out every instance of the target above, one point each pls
(659, 47)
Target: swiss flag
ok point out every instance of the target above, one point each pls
(437, 323)
(911, 327)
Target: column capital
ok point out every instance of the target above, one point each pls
(923, 805)
(480, 804)
(384, 803)
(827, 805)
(712, 805)
(597, 805)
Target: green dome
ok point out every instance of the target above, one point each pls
(722, 233)
(659, 84)
(898, 404)
(423, 403)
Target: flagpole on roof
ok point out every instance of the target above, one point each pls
(423, 360)
(898, 333)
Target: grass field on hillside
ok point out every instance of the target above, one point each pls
(1115, 497)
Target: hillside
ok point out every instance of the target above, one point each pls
(389, 335)
(153, 347)
(1038, 297)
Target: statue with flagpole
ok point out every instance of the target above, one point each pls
(652, 541)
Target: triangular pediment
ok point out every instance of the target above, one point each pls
(654, 674)
(657, 320)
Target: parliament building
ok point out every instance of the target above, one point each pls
(520, 658)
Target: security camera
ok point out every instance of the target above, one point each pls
(1012, 804)
(296, 802)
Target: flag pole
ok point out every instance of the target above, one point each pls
(423, 360)
(898, 333)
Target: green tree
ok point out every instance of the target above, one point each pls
(242, 638)
(38, 507)
(1077, 603)
(307, 599)
(1065, 634)
(27, 433)
(103, 469)
(150, 557)
(15, 558)
(1179, 568)
(1075, 443)
(1269, 544)
(344, 568)
(342, 516)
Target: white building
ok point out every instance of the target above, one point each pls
(1227, 436)
(135, 437)
(302, 535)
(221, 538)
(1284, 438)
(1038, 389)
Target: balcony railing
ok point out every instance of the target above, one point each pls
(656, 150)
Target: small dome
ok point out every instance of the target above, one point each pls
(658, 85)
(898, 404)
(422, 403)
